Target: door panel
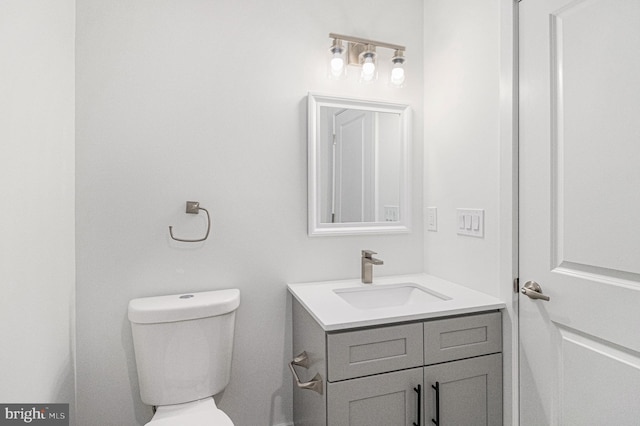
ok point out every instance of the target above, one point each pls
(609, 373)
(354, 170)
(596, 135)
(579, 232)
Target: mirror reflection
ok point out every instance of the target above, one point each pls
(358, 166)
(360, 157)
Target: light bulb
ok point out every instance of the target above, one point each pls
(368, 69)
(337, 65)
(397, 76)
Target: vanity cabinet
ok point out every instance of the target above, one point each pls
(447, 371)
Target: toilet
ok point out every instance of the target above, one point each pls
(183, 346)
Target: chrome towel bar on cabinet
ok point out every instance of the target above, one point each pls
(315, 384)
(193, 207)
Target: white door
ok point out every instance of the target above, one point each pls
(354, 186)
(580, 211)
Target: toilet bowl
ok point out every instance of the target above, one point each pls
(203, 412)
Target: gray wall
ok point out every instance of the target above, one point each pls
(206, 100)
(37, 257)
(462, 138)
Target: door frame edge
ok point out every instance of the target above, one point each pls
(508, 268)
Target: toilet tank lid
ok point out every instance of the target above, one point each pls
(182, 307)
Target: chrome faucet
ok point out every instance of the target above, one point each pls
(367, 265)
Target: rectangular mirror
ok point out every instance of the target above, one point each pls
(358, 152)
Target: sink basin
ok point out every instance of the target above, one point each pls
(391, 295)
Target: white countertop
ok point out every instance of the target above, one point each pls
(334, 313)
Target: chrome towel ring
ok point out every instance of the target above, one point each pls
(193, 207)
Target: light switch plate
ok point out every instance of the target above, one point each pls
(432, 218)
(391, 213)
(470, 222)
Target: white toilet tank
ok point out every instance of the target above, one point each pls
(183, 344)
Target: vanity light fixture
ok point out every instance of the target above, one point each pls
(362, 53)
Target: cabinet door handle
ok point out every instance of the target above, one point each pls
(418, 390)
(436, 387)
(315, 384)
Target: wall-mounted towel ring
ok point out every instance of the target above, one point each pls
(193, 207)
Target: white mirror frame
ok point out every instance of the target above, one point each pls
(316, 227)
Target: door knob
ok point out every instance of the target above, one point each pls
(534, 291)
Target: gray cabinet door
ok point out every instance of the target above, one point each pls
(381, 400)
(470, 392)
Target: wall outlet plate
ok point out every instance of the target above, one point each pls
(470, 222)
(432, 219)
